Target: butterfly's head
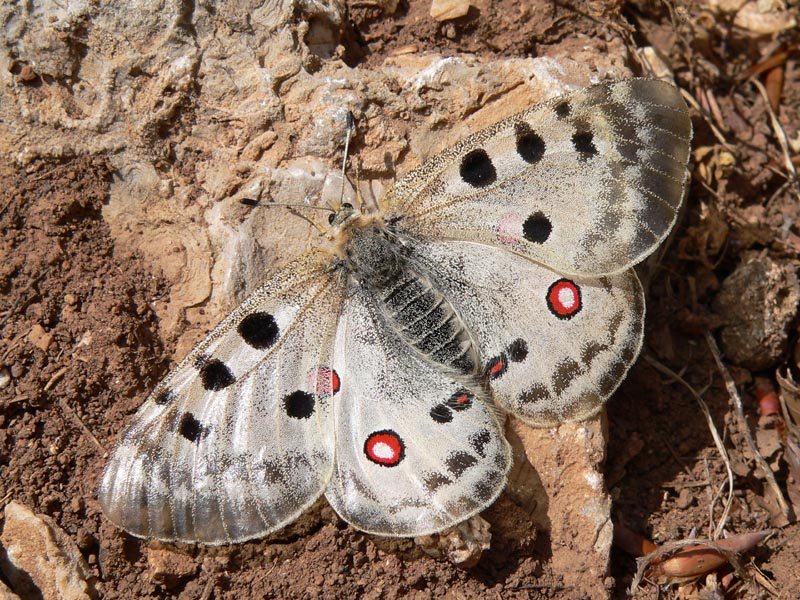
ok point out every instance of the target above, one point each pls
(346, 222)
(343, 216)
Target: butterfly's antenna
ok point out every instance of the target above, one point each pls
(351, 126)
(292, 208)
(253, 202)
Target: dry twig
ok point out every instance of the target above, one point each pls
(717, 531)
(691, 101)
(745, 430)
(68, 409)
(780, 134)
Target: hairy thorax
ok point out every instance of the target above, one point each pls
(405, 296)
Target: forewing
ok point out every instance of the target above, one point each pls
(553, 348)
(237, 440)
(587, 184)
(417, 450)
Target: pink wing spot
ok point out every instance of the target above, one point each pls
(508, 228)
(564, 299)
(384, 448)
(324, 381)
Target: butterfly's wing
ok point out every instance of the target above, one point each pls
(553, 348)
(417, 450)
(587, 184)
(237, 440)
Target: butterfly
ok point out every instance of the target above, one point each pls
(494, 278)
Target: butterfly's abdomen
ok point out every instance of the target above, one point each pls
(428, 322)
(414, 308)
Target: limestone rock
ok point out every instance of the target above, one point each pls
(558, 475)
(40, 560)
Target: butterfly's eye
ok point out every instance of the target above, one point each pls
(347, 205)
(331, 217)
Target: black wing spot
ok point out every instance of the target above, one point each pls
(441, 414)
(485, 489)
(612, 377)
(434, 481)
(537, 228)
(458, 462)
(628, 353)
(583, 141)
(191, 428)
(299, 405)
(537, 394)
(259, 330)
(215, 375)
(460, 400)
(479, 441)
(591, 351)
(566, 372)
(563, 109)
(517, 351)
(496, 367)
(477, 169)
(530, 145)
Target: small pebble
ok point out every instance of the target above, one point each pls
(27, 74)
(444, 10)
(76, 504)
(684, 499)
(5, 377)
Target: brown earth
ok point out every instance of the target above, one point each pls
(82, 345)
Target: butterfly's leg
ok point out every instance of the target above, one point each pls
(317, 226)
(357, 186)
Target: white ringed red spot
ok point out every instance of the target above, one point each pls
(324, 381)
(385, 448)
(564, 299)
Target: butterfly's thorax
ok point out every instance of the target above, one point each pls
(414, 308)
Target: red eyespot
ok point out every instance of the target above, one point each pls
(564, 299)
(385, 448)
